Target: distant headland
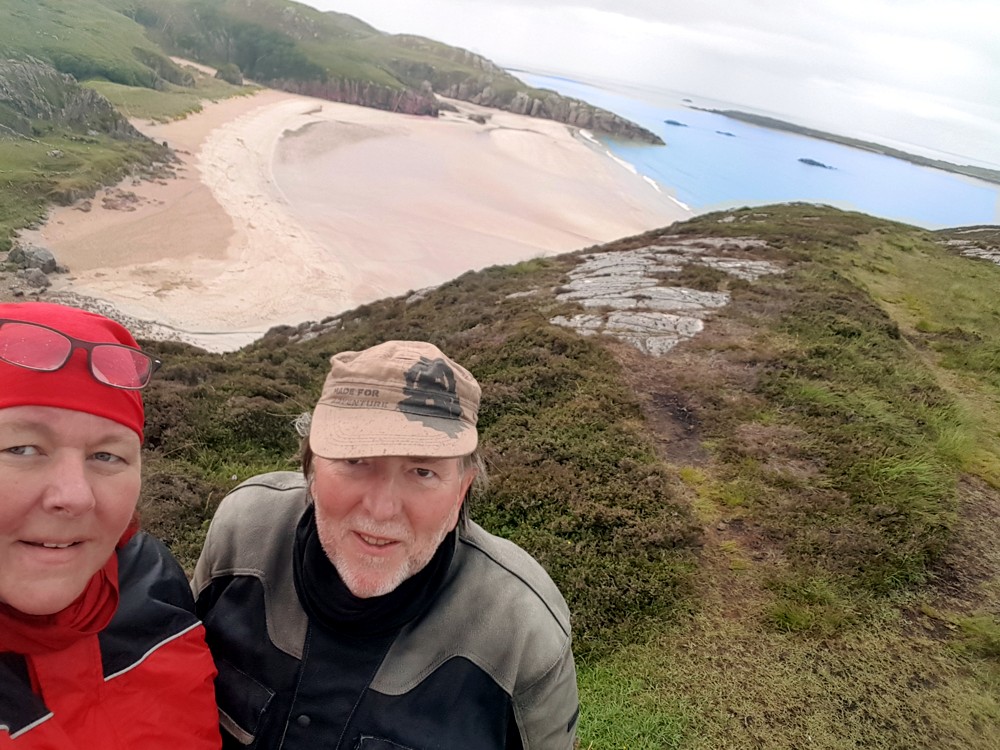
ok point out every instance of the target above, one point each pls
(979, 173)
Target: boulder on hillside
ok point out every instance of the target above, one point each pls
(34, 277)
(31, 256)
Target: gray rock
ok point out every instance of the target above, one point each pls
(990, 254)
(420, 294)
(633, 300)
(34, 277)
(31, 256)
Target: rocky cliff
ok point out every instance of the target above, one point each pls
(33, 92)
(480, 81)
(365, 94)
(551, 106)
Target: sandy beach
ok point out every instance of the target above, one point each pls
(288, 208)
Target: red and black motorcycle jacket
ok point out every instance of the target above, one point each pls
(145, 682)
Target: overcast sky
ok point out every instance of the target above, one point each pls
(902, 72)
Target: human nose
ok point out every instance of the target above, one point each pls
(68, 488)
(381, 499)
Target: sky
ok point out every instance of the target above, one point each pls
(921, 75)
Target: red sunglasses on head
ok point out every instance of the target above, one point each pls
(37, 347)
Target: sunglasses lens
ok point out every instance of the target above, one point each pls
(33, 347)
(120, 366)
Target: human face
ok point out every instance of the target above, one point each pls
(380, 520)
(69, 482)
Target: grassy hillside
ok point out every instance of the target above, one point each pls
(294, 47)
(60, 141)
(172, 102)
(85, 39)
(783, 533)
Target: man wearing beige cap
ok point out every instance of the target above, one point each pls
(354, 606)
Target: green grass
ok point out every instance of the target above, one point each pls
(84, 38)
(720, 683)
(763, 592)
(855, 483)
(948, 306)
(982, 636)
(171, 103)
(32, 176)
(623, 711)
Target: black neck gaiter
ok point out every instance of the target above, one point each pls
(328, 602)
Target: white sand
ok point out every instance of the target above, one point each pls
(291, 209)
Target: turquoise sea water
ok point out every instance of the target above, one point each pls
(706, 169)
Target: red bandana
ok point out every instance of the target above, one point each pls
(72, 386)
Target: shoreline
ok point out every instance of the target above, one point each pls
(287, 209)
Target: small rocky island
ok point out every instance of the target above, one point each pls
(814, 163)
(676, 123)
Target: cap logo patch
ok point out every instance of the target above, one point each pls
(430, 392)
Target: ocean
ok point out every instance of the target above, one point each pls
(714, 162)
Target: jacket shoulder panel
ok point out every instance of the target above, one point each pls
(252, 534)
(498, 608)
(155, 605)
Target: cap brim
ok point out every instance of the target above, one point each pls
(338, 432)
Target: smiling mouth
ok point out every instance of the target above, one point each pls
(376, 541)
(53, 545)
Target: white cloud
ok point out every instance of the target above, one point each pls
(910, 69)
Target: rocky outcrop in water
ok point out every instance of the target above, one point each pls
(814, 163)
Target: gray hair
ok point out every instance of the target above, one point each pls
(472, 462)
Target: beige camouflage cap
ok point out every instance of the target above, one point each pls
(400, 398)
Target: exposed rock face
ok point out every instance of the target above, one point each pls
(492, 86)
(33, 90)
(421, 99)
(552, 106)
(365, 94)
(640, 306)
(983, 243)
(548, 105)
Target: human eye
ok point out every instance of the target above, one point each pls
(105, 457)
(351, 463)
(347, 467)
(21, 450)
(425, 473)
